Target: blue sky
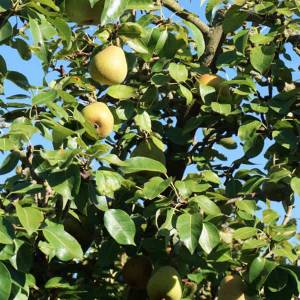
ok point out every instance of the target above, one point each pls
(33, 70)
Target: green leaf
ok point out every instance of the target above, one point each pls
(131, 30)
(108, 182)
(208, 206)
(189, 228)
(244, 233)
(234, 19)
(6, 31)
(30, 218)
(209, 238)
(18, 79)
(120, 226)
(256, 268)
(44, 98)
(261, 57)
(154, 187)
(221, 108)
(178, 72)
(9, 163)
(112, 10)
(186, 93)
(295, 185)
(5, 282)
(198, 38)
(122, 92)
(138, 164)
(140, 4)
(66, 247)
(143, 121)
(6, 232)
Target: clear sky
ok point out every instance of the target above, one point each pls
(32, 69)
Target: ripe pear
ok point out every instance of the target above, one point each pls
(216, 82)
(109, 66)
(137, 271)
(100, 116)
(231, 288)
(81, 12)
(165, 283)
(148, 148)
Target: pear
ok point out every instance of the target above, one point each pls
(231, 288)
(216, 82)
(81, 12)
(109, 66)
(99, 115)
(137, 271)
(165, 283)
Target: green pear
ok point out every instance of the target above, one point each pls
(165, 283)
(100, 116)
(231, 288)
(81, 12)
(109, 66)
(137, 271)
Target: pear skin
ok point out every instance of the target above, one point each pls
(137, 271)
(81, 12)
(99, 115)
(109, 66)
(216, 82)
(231, 288)
(165, 283)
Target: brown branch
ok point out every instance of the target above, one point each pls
(186, 15)
(288, 214)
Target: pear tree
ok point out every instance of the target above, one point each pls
(149, 149)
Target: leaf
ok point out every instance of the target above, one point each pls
(6, 232)
(221, 108)
(108, 182)
(154, 187)
(6, 31)
(189, 228)
(209, 238)
(44, 98)
(131, 30)
(244, 233)
(186, 93)
(295, 185)
(178, 72)
(234, 19)
(120, 226)
(122, 92)
(261, 57)
(198, 38)
(207, 205)
(138, 164)
(66, 247)
(18, 79)
(112, 10)
(140, 4)
(5, 282)
(256, 268)
(30, 218)
(9, 162)
(143, 121)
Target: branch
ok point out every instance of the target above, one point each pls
(186, 15)
(288, 215)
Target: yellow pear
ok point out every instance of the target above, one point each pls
(231, 288)
(100, 116)
(109, 66)
(81, 12)
(216, 82)
(165, 283)
(137, 271)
